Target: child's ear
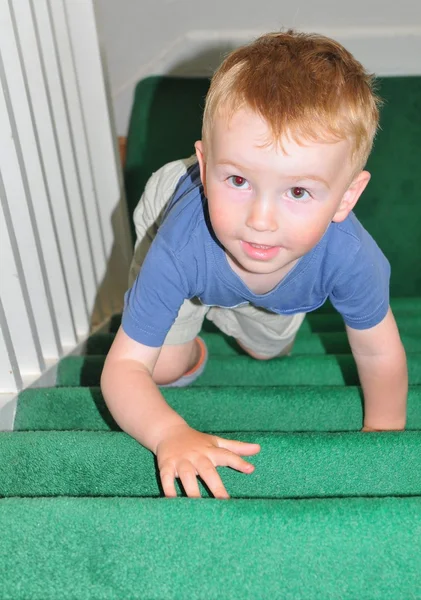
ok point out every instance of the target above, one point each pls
(351, 196)
(202, 163)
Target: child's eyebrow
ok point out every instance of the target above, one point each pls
(229, 163)
(294, 177)
(313, 177)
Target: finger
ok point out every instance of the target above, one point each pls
(187, 474)
(210, 476)
(242, 448)
(167, 475)
(225, 458)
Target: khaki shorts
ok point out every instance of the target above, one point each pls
(259, 330)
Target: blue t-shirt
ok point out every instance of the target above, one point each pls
(186, 260)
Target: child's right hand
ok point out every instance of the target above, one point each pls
(187, 453)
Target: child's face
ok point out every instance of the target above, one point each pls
(268, 208)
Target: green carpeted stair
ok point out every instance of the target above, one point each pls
(329, 512)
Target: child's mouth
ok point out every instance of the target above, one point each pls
(260, 251)
(260, 246)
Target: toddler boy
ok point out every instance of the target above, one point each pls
(254, 231)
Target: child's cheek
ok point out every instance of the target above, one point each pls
(307, 237)
(222, 218)
(306, 223)
(219, 214)
(222, 209)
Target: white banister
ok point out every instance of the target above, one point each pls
(65, 238)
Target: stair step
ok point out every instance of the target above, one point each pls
(315, 370)
(182, 548)
(287, 408)
(319, 322)
(293, 465)
(305, 343)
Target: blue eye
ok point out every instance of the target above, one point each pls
(238, 182)
(298, 193)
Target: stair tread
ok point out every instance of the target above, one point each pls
(78, 463)
(183, 548)
(306, 342)
(324, 369)
(246, 408)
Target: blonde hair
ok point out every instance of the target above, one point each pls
(305, 86)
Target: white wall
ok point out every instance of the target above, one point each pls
(188, 37)
(65, 245)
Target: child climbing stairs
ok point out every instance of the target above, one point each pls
(329, 512)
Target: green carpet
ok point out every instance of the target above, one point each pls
(329, 512)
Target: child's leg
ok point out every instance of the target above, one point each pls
(183, 356)
(179, 366)
(262, 334)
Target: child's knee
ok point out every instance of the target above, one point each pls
(174, 362)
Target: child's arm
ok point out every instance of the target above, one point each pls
(139, 408)
(381, 362)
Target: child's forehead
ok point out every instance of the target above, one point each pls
(246, 129)
(246, 121)
(246, 143)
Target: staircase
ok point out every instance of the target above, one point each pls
(329, 512)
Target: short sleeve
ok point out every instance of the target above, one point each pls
(151, 305)
(361, 293)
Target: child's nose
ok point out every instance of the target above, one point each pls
(262, 215)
